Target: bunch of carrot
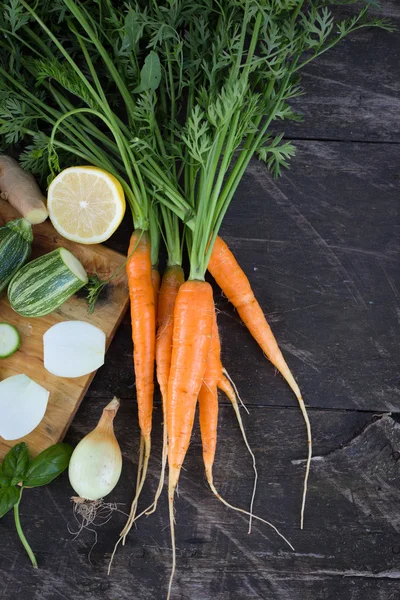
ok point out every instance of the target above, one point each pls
(174, 98)
(186, 348)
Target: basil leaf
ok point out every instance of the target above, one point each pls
(48, 465)
(4, 481)
(16, 462)
(150, 75)
(8, 497)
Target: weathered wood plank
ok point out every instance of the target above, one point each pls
(321, 248)
(349, 546)
(353, 91)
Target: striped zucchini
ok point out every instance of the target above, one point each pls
(15, 248)
(44, 284)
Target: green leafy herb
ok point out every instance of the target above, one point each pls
(4, 480)
(47, 465)
(173, 98)
(14, 14)
(17, 468)
(15, 463)
(150, 75)
(95, 285)
(94, 289)
(9, 496)
(276, 154)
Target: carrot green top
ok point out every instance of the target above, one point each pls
(173, 98)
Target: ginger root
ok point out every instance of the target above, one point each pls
(20, 189)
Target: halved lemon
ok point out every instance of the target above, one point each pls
(85, 204)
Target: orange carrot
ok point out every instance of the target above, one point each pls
(155, 279)
(141, 295)
(236, 287)
(193, 317)
(208, 418)
(172, 279)
(208, 409)
(208, 401)
(214, 378)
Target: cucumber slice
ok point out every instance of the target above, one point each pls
(10, 340)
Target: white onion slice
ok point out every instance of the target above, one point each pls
(73, 348)
(23, 403)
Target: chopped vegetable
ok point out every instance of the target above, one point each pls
(44, 284)
(10, 340)
(15, 248)
(23, 404)
(86, 204)
(73, 348)
(96, 462)
(21, 190)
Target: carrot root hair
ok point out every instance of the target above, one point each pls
(235, 285)
(171, 495)
(229, 378)
(243, 511)
(229, 390)
(153, 506)
(309, 457)
(113, 555)
(139, 487)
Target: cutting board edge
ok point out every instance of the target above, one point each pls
(92, 375)
(107, 260)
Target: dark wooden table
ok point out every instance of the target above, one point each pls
(321, 247)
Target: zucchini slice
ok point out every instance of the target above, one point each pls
(10, 340)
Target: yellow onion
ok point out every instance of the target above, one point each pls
(96, 463)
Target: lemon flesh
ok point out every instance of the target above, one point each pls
(86, 204)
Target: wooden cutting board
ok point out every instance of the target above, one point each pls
(65, 394)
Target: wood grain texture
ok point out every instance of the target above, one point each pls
(321, 247)
(353, 91)
(348, 551)
(65, 394)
